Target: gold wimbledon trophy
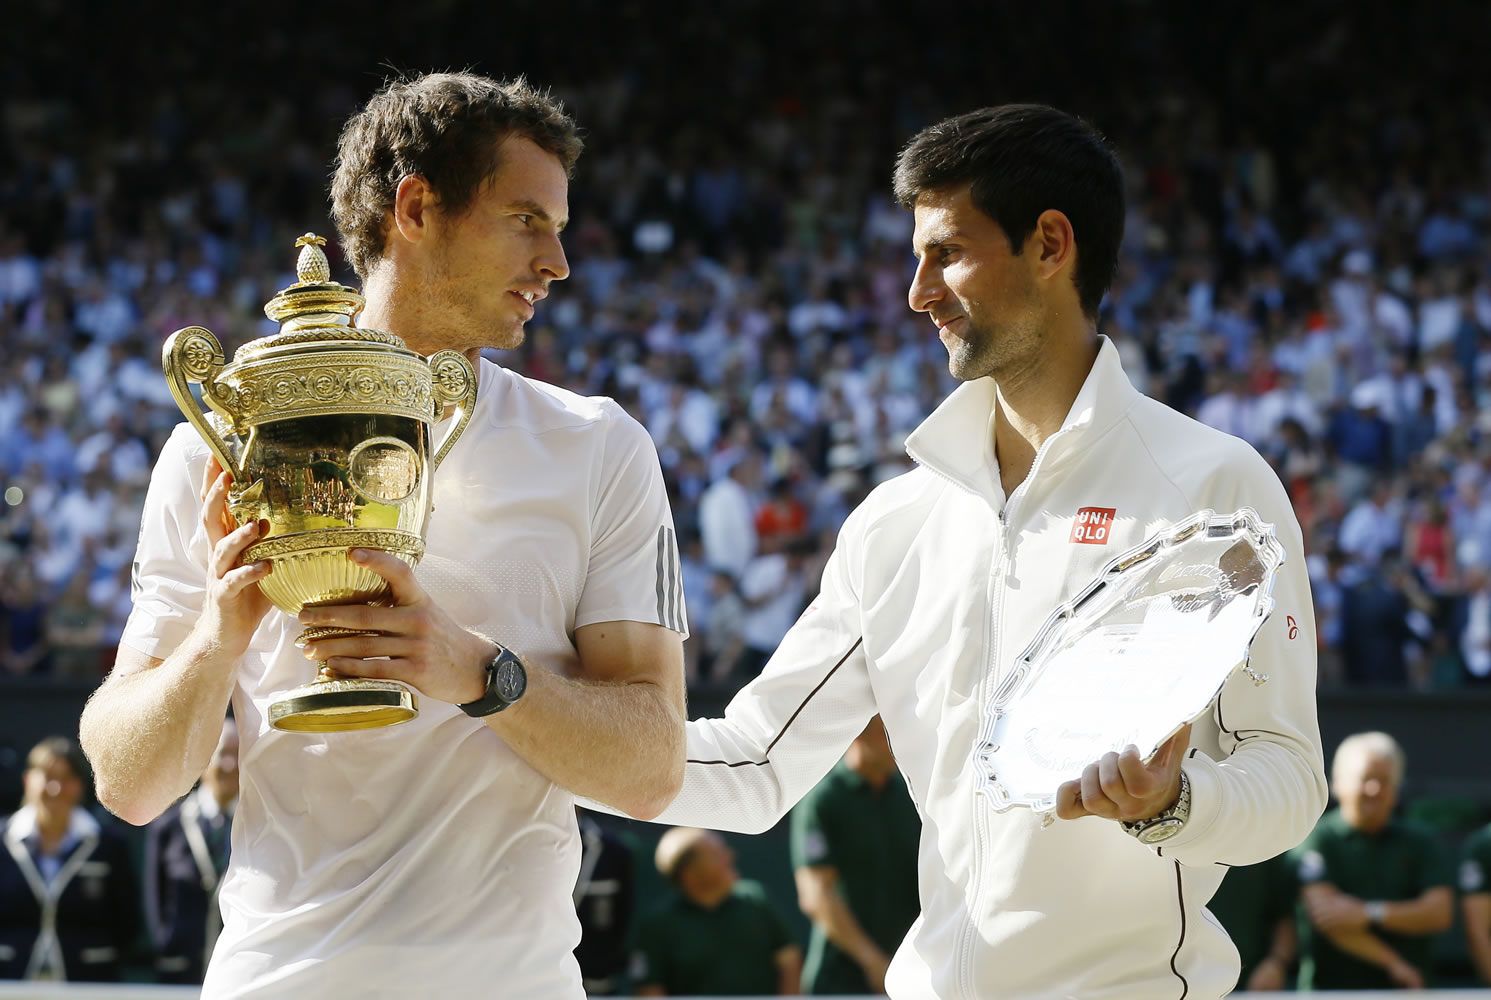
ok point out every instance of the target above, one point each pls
(326, 430)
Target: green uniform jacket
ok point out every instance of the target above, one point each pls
(1397, 863)
(870, 839)
(727, 951)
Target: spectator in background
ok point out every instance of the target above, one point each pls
(1471, 625)
(1375, 889)
(186, 854)
(1255, 903)
(774, 589)
(605, 900)
(727, 520)
(782, 518)
(1374, 525)
(69, 907)
(41, 442)
(854, 844)
(1362, 442)
(1475, 900)
(719, 935)
(23, 625)
(724, 638)
(76, 630)
(1374, 625)
(119, 454)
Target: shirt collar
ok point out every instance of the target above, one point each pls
(957, 439)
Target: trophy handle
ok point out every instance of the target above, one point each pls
(454, 382)
(191, 355)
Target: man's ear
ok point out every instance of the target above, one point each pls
(412, 208)
(1054, 243)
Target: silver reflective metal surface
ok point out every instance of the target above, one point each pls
(1139, 652)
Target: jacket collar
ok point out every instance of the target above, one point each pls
(957, 440)
(22, 825)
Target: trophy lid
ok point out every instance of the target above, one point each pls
(315, 308)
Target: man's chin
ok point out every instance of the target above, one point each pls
(963, 367)
(512, 342)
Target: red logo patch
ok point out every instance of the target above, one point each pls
(1093, 525)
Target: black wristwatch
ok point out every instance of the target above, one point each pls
(507, 679)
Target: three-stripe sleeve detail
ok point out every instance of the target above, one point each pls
(669, 586)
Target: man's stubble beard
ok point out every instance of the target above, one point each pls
(466, 325)
(977, 355)
(988, 351)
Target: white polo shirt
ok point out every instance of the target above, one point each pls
(427, 859)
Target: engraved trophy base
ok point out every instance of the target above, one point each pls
(335, 704)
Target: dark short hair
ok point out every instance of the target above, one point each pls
(444, 127)
(62, 748)
(1020, 160)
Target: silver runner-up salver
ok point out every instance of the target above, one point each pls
(1133, 657)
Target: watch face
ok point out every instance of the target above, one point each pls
(1163, 830)
(509, 680)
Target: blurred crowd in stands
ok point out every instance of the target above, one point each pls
(1309, 275)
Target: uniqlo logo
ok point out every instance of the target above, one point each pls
(1093, 525)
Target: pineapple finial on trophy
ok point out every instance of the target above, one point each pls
(314, 301)
(312, 267)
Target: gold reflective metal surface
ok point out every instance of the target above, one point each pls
(326, 430)
(339, 705)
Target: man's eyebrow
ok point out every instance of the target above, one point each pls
(533, 208)
(933, 243)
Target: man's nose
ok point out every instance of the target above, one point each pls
(552, 263)
(926, 287)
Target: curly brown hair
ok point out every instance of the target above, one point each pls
(444, 127)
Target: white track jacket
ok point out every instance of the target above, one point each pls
(937, 584)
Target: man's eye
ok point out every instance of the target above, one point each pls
(524, 219)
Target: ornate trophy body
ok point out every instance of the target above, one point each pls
(1139, 652)
(326, 430)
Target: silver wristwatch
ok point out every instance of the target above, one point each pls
(1168, 823)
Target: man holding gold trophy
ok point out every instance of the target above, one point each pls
(1084, 618)
(536, 651)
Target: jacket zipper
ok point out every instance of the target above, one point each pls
(965, 947)
(1001, 573)
(1005, 565)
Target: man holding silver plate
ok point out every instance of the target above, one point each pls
(1084, 618)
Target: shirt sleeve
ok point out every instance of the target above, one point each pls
(785, 729)
(634, 572)
(1266, 793)
(168, 581)
(809, 842)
